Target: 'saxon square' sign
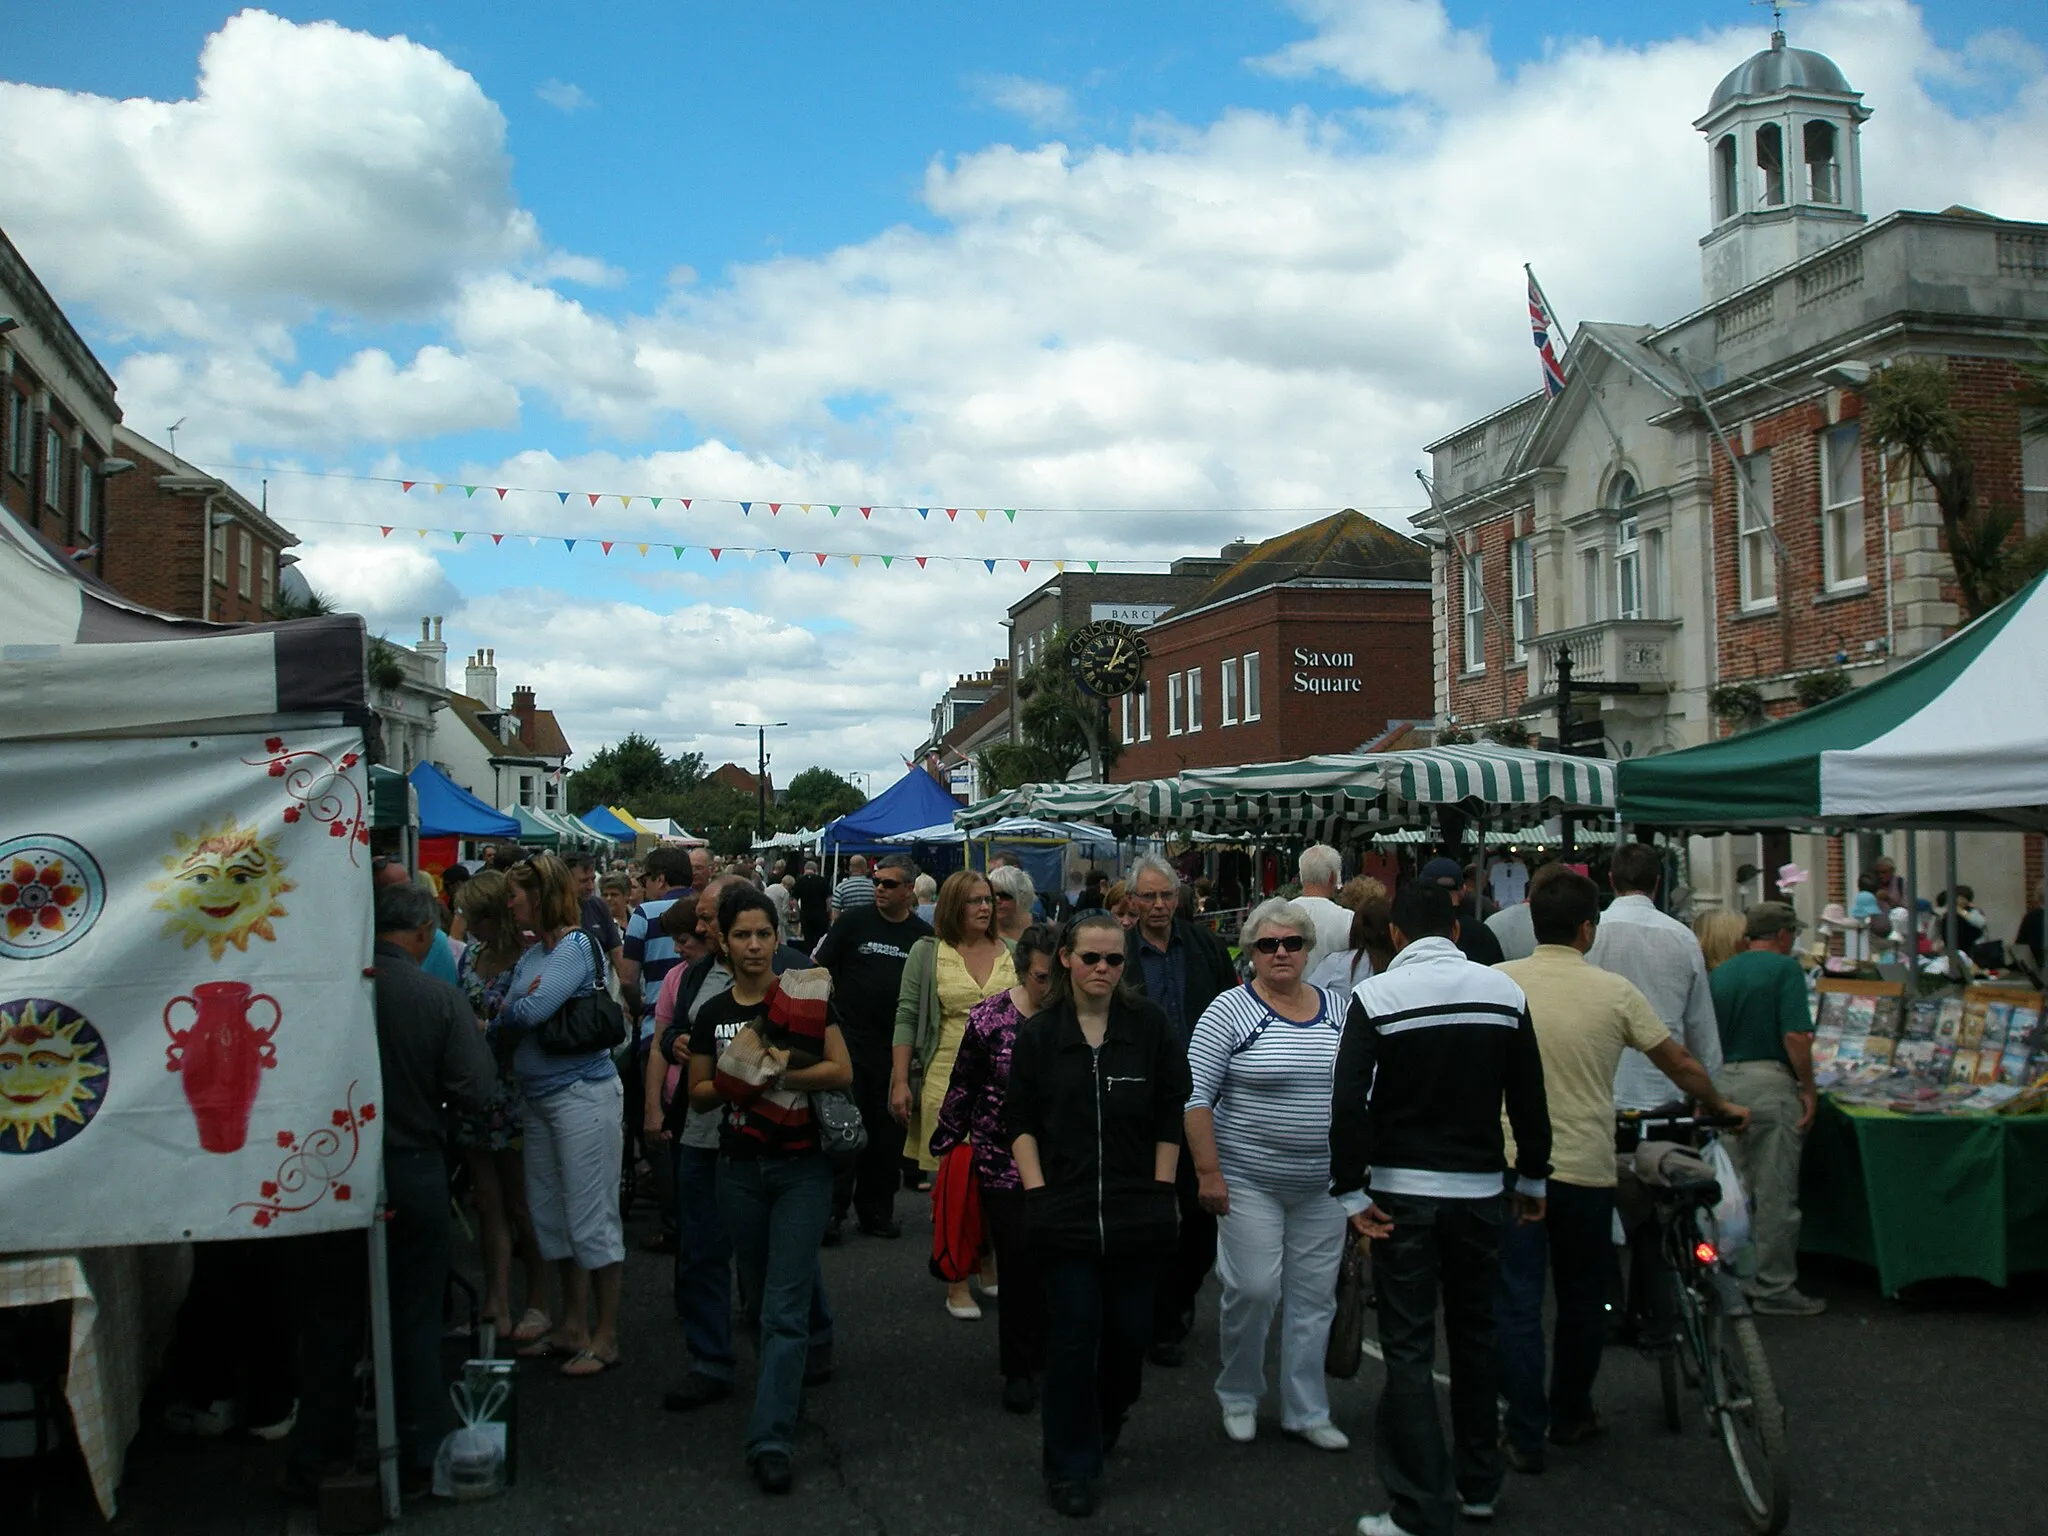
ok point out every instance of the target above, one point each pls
(1325, 671)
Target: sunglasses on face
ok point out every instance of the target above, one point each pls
(890, 885)
(1090, 958)
(1293, 943)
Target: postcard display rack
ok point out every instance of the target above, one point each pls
(1962, 1051)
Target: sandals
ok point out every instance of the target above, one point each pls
(589, 1363)
(533, 1324)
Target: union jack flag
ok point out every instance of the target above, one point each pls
(1542, 325)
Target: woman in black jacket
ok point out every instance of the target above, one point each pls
(1098, 1081)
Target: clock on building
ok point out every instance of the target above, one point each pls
(1107, 657)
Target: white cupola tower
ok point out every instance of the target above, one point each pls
(1784, 165)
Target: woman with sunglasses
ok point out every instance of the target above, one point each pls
(1262, 1058)
(974, 1111)
(965, 963)
(1097, 1083)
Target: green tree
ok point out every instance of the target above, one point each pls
(632, 772)
(1057, 717)
(1911, 408)
(818, 795)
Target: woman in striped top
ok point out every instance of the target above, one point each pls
(1262, 1057)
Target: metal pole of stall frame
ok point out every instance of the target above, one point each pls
(380, 1356)
(1912, 934)
(1953, 933)
(1479, 884)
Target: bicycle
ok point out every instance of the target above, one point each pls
(1715, 1347)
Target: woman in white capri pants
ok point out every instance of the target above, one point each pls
(1262, 1057)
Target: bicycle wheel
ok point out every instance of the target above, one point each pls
(1751, 1421)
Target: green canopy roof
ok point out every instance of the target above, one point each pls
(1956, 737)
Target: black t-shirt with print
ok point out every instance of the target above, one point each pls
(716, 1025)
(865, 952)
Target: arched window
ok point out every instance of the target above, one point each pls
(1621, 490)
(1823, 171)
(1770, 165)
(1725, 203)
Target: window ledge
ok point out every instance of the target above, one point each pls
(1844, 593)
(1760, 611)
(1473, 672)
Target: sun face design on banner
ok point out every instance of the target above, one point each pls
(51, 892)
(223, 887)
(53, 1067)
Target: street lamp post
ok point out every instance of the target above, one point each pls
(761, 774)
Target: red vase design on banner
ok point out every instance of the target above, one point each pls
(222, 1058)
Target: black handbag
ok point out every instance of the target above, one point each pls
(1347, 1326)
(837, 1119)
(584, 1024)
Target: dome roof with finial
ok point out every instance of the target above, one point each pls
(1779, 68)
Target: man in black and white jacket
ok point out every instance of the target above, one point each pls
(1432, 1047)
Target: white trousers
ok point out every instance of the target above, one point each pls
(1278, 1250)
(575, 1138)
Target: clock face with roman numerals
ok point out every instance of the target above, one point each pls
(1108, 658)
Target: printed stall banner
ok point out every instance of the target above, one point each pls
(187, 1045)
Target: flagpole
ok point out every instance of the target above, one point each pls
(1549, 313)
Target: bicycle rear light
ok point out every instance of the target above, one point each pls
(1704, 1252)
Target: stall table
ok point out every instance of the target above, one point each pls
(1924, 1197)
(123, 1304)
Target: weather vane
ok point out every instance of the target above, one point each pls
(1778, 10)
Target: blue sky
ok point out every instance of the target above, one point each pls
(1220, 258)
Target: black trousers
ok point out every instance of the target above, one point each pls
(1194, 1255)
(334, 1309)
(867, 1184)
(1020, 1311)
(235, 1333)
(1098, 1317)
(1448, 1250)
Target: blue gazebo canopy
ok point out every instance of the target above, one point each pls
(915, 800)
(605, 824)
(449, 810)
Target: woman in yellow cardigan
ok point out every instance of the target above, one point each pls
(967, 962)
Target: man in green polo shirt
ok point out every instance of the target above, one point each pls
(1767, 1063)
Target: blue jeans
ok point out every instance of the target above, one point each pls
(1446, 1250)
(1574, 1242)
(775, 1209)
(703, 1284)
(1098, 1321)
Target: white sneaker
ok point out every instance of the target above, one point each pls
(1324, 1436)
(1473, 1509)
(966, 1314)
(1241, 1424)
(1380, 1525)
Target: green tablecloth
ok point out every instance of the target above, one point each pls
(1922, 1197)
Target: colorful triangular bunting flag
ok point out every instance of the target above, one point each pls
(605, 545)
(952, 513)
(1010, 513)
(500, 489)
(563, 496)
(571, 543)
(1092, 564)
(833, 510)
(887, 561)
(746, 509)
(924, 512)
(981, 514)
(785, 555)
(642, 548)
(856, 561)
(991, 566)
(386, 531)
(866, 512)
(820, 554)
(438, 489)
(593, 497)
(714, 554)
(406, 485)
(497, 538)
(469, 490)
(920, 559)
(457, 535)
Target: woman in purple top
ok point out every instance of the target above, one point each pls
(973, 1111)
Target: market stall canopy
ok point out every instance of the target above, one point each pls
(915, 800)
(78, 659)
(449, 810)
(574, 833)
(534, 832)
(1494, 776)
(1092, 840)
(393, 804)
(671, 833)
(806, 838)
(606, 824)
(1956, 737)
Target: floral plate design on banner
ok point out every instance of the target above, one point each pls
(51, 893)
(315, 1165)
(53, 1070)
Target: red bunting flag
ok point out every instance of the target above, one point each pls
(951, 513)
(821, 557)
(385, 531)
(714, 553)
(774, 508)
(865, 511)
(1023, 565)
(920, 559)
(406, 485)
(605, 545)
(497, 538)
(500, 490)
(686, 503)
(593, 497)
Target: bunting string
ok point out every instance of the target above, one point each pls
(656, 547)
(762, 506)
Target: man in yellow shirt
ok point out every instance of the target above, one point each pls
(1584, 1018)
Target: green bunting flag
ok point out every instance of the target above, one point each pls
(833, 510)
(469, 490)
(678, 549)
(457, 536)
(1093, 564)
(1010, 513)
(887, 561)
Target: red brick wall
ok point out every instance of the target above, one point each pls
(154, 553)
(1386, 633)
(1498, 692)
(23, 494)
(1810, 627)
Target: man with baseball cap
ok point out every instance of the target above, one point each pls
(1767, 1063)
(1473, 936)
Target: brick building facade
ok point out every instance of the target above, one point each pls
(1315, 641)
(1609, 523)
(57, 417)
(186, 542)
